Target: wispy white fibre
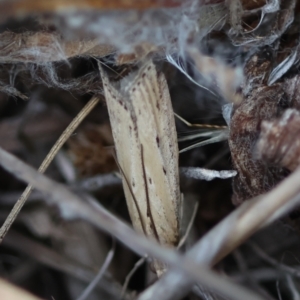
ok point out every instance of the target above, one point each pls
(206, 174)
(169, 28)
(215, 137)
(226, 112)
(181, 68)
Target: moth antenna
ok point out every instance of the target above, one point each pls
(108, 67)
(120, 75)
(137, 265)
(205, 134)
(219, 133)
(200, 125)
(219, 138)
(131, 192)
(188, 230)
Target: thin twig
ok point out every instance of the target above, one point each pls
(189, 227)
(100, 274)
(278, 290)
(293, 289)
(242, 264)
(73, 207)
(229, 234)
(274, 262)
(57, 261)
(57, 146)
(130, 274)
(260, 274)
(207, 126)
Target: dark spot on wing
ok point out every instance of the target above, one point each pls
(150, 180)
(134, 120)
(165, 171)
(157, 141)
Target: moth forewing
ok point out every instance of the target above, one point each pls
(156, 128)
(170, 145)
(144, 132)
(120, 113)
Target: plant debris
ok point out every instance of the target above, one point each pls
(232, 70)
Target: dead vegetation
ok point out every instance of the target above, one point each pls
(73, 238)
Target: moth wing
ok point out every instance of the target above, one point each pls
(128, 149)
(169, 146)
(156, 130)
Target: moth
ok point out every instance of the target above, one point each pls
(144, 133)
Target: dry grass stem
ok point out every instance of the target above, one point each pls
(282, 267)
(229, 234)
(49, 158)
(99, 276)
(48, 257)
(72, 207)
(229, 66)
